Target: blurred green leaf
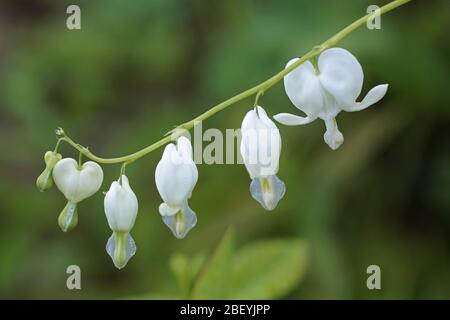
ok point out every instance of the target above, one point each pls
(214, 279)
(185, 270)
(268, 269)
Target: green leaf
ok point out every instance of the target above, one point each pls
(268, 269)
(185, 270)
(213, 281)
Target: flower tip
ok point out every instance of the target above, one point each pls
(181, 222)
(333, 137)
(68, 218)
(44, 181)
(333, 140)
(121, 248)
(268, 191)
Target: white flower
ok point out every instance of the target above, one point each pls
(76, 183)
(121, 207)
(323, 93)
(176, 176)
(260, 150)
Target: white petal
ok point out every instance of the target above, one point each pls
(289, 119)
(175, 177)
(130, 250)
(184, 147)
(341, 75)
(304, 89)
(166, 210)
(181, 223)
(372, 97)
(77, 184)
(249, 120)
(267, 191)
(121, 206)
(260, 144)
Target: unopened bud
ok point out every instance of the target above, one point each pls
(45, 180)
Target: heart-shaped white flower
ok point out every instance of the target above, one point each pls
(77, 183)
(324, 91)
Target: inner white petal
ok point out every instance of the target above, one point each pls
(333, 137)
(130, 250)
(268, 191)
(182, 222)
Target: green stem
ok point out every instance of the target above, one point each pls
(80, 160)
(262, 87)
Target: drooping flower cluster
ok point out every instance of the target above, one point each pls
(320, 91)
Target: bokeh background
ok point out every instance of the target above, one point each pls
(138, 68)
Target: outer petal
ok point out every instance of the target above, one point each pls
(91, 178)
(65, 176)
(260, 144)
(289, 119)
(121, 206)
(249, 145)
(372, 97)
(175, 177)
(184, 148)
(341, 75)
(304, 89)
(77, 184)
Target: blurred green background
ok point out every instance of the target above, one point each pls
(138, 68)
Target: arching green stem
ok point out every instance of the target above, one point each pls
(258, 89)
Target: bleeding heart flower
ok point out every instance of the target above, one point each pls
(260, 150)
(121, 207)
(325, 91)
(76, 183)
(176, 176)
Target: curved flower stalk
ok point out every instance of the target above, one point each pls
(324, 91)
(121, 207)
(260, 150)
(175, 176)
(76, 182)
(45, 181)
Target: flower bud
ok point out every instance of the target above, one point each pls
(45, 181)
